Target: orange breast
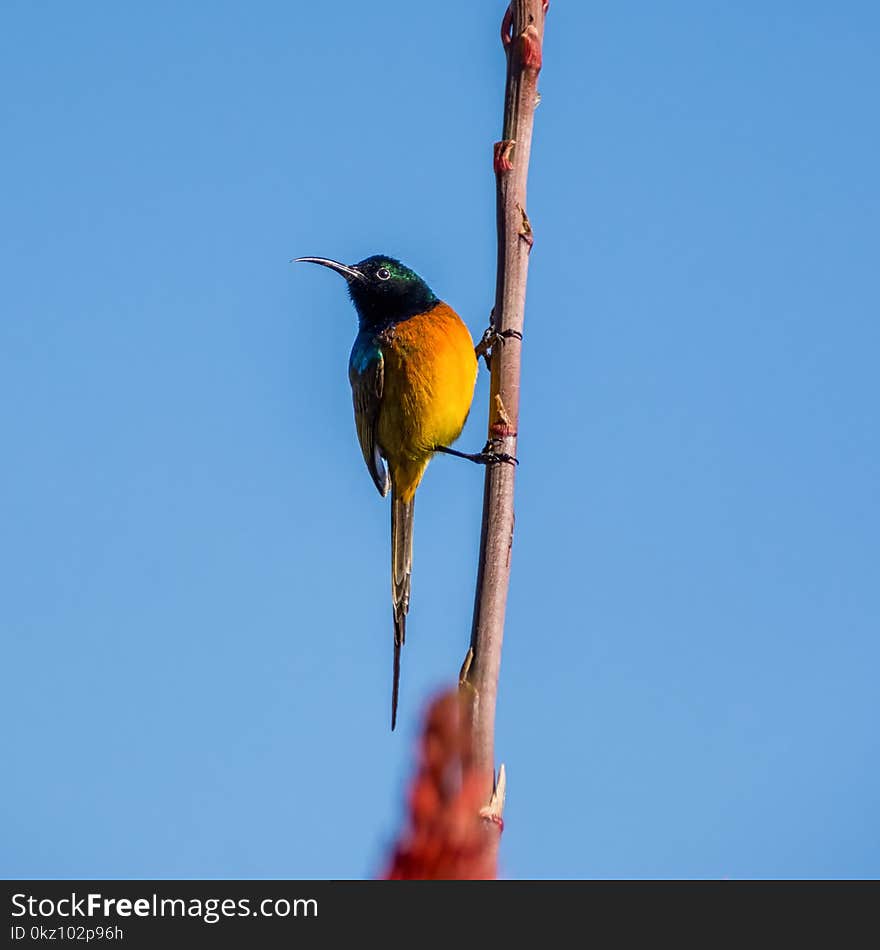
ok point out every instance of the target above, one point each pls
(430, 372)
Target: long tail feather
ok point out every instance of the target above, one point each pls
(401, 574)
(395, 688)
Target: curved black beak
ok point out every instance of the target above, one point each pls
(349, 273)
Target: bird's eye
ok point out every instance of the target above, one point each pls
(383, 273)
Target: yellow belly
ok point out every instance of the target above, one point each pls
(430, 373)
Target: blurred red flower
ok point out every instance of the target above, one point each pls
(446, 837)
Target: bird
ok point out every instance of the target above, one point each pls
(412, 369)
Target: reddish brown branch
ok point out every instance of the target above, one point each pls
(522, 32)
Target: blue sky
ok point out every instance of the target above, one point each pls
(195, 618)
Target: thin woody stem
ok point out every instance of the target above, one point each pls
(522, 34)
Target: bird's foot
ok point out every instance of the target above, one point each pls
(491, 338)
(489, 455)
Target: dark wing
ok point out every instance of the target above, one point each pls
(366, 372)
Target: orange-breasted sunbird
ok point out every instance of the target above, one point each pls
(412, 371)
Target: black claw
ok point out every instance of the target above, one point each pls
(496, 458)
(490, 457)
(491, 338)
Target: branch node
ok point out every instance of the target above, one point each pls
(525, 232)
(501, 427)
(495, 809)
(466, 668)
(530, 48)
(501, 157)
(507, 27)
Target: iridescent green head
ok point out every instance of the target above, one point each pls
(383, 290)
